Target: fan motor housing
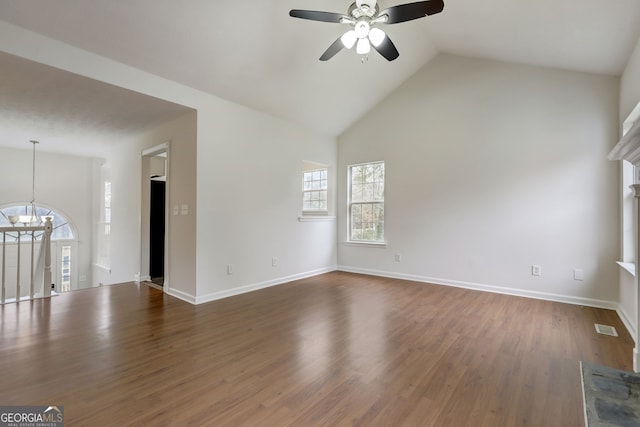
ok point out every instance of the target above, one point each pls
(364, 11)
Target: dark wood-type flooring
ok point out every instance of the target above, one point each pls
(335, 349)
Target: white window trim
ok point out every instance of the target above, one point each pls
(629, 267)
(317, 212)
(314, 218)
(365, 244)
(362, 243)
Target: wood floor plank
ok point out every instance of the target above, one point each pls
(335, 349)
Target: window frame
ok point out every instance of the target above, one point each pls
(350, 204)
(325, 189)
(60, 221)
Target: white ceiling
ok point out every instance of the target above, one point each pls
(70, 113)
(253, 53)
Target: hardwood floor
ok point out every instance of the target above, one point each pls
(336, 349)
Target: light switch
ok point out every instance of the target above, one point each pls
(184, 210)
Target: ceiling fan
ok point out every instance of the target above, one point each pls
(363, 16)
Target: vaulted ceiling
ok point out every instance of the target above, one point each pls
(251, 52)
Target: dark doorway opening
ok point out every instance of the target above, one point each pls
(157, 231)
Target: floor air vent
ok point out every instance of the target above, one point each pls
(606, 330)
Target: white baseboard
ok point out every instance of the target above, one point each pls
(181, 295)
(626, 320)
(150, 284)
(568, 299)
(261, 285)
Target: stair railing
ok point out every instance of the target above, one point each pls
(40, 268)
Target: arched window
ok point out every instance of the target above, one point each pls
(62, 230)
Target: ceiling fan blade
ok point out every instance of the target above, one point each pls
(332, 50)
(315, 15)
(387, 49)
(411, 11)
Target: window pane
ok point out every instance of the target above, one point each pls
(378, 191)
(356, 193)
(61, 229)
(366, 212)
(314, 187)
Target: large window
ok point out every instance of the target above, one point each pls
(103, 230)
(61, 229)
(66, 268)
(366, 202)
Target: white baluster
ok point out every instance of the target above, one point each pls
(46, 240)
(4, 261)
(18, 270)
(33, 241)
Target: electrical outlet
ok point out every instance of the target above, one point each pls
(536, 270)
(82, 278)
(274, 262)
(578, 274)
(230, 269)
(398, 257)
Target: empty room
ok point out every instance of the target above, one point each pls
(301, 213)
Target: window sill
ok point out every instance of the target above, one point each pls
(379, 245)
(314, 218)
(103, 267)
(629, 267)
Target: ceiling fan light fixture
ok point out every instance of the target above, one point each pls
(348, 39)
(362, 29)
(364, 16)
(376, 36)
(363, 47)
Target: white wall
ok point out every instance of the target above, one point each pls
(63, 183)
(249, 200)
(492, 167)
(127, 194)
(248, 177)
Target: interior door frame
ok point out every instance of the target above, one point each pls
(145, 213)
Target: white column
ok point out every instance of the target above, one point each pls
(636, 350)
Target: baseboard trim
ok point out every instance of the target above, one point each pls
(589, 302)
(181, 295)
(152, 285)
(261, 285)
(626, 320)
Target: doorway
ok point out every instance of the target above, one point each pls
(157, 230)
(153, 238)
